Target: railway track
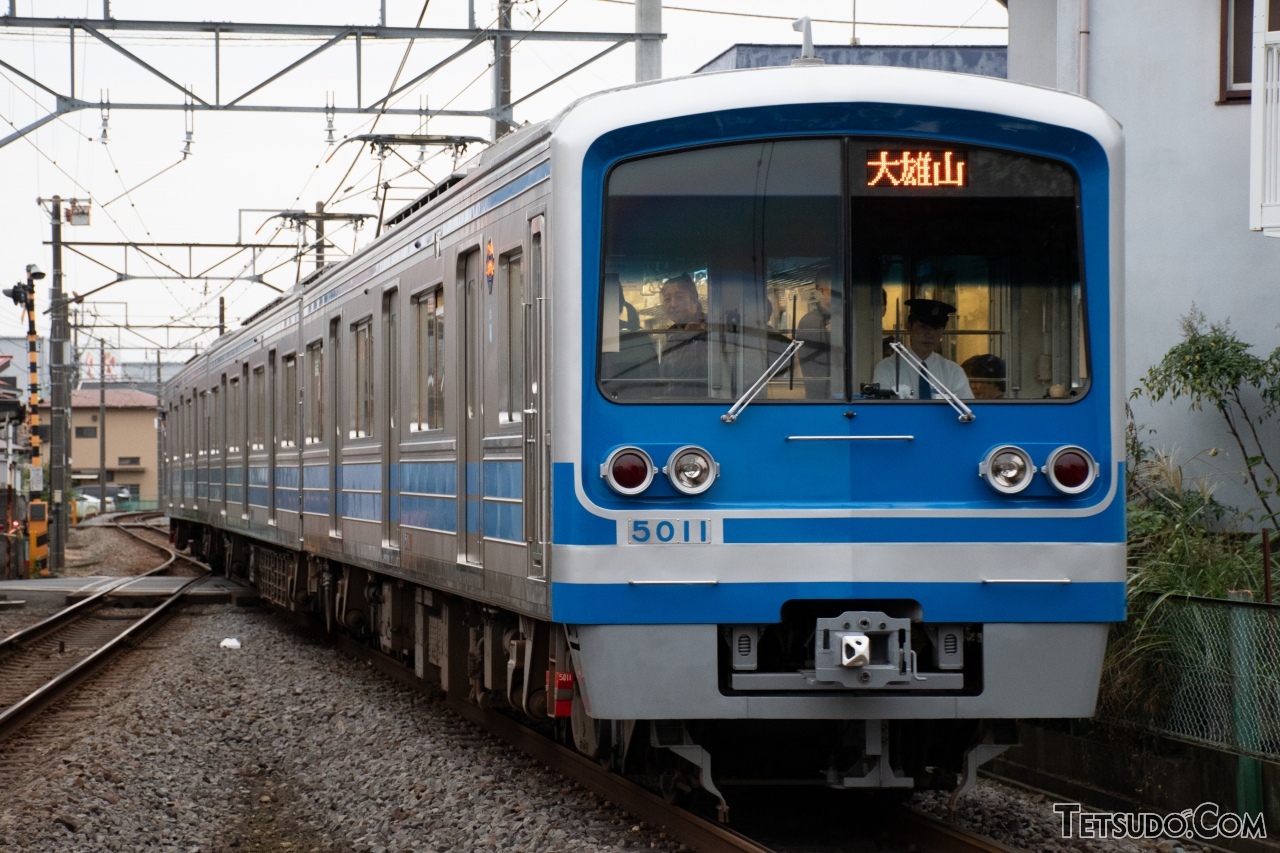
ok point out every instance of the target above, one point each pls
(41, 663)
(907, 828)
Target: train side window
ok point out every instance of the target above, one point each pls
(215, 422)
(233, 417)
(258, 421)
(315, 393)
(513, 380)
(362, 399)
(289, 402)
(202, 438)
(715, 260)
(429, 350)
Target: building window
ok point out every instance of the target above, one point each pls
(429, 406)
(1236, 73)
(128, 460)
(315, 393)
(362, 414)
(87, 432)
(289, 403)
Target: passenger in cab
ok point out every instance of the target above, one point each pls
(683, 354)
(986, 376)
(814, 329)
(925, 321)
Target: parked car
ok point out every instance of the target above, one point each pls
(116, 495)
(87, 506)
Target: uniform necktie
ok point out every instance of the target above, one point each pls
(926, 393)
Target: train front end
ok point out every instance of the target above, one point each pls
(841, 463)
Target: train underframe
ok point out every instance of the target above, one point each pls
(524, 666)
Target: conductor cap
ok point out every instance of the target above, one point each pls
(931, 312)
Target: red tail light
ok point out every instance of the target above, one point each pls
(628, 470)
(1071, 470)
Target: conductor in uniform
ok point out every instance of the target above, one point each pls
(926, 318)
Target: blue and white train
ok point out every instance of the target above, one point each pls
(495, 444)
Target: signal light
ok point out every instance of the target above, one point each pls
(1071, 470)
(628, 470)
(18, 293)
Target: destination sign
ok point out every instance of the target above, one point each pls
(917, 169)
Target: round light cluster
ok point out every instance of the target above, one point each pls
(1009, 469)
(691, 470)
(629, 470)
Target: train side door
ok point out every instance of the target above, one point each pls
(390, 421)
(335, 419)
(472, 414)
(536, 476)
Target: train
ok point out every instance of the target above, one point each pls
(751, 426)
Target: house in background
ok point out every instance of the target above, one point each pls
(130, 430)
(1179, 78)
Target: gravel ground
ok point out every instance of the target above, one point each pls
(284, 745)
(287, 745)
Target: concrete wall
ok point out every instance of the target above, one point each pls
(1154, 66)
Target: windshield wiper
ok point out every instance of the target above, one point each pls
(904, 354)
(769, 372)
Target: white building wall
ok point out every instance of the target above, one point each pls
(1154, 66)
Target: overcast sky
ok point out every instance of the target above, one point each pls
(271, 162)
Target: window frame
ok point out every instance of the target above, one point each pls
(1230, 92)
(429, 405)
(512, 403)
(313, 425)
(362, 415)
(289, 400)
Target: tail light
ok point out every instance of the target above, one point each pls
(1007, 469)
(1071, 470)
(628, 470)
(691, 470)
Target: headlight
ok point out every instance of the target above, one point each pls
(1071, 470)
(691, 470)
(628, 470)
(1007, 469)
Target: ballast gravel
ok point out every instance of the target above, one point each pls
(285, 745)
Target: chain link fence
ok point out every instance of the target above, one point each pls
(1199, 669)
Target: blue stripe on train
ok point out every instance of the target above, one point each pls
(761, 603)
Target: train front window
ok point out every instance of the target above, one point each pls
(983, 245)
(715, 260)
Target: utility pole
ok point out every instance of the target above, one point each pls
(648, 40)
(102, 425)
(502, 121)
(319, 235)
(59, 404)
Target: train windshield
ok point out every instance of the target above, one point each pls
(716, 259)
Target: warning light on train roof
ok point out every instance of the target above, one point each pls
(917, 169)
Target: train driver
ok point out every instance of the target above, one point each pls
(925, 321)
(814, 329)
(683, 356)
